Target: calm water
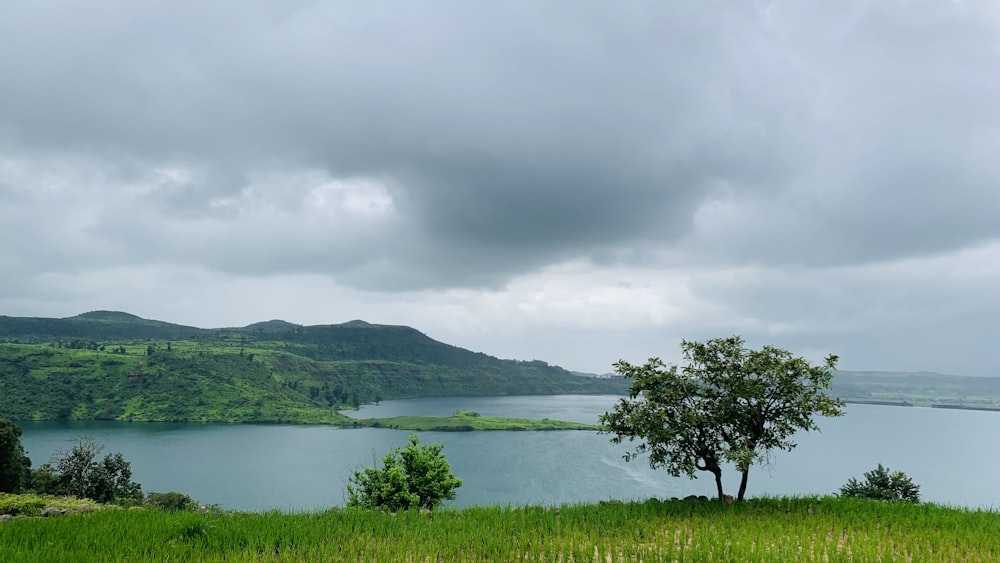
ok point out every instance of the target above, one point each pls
(953, 455)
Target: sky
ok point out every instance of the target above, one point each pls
(572, 181)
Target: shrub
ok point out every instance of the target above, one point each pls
(882, 484)
(80, 473)
(21, 504)
(171, 501)
(412, 477)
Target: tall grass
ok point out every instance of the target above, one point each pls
(805, 529)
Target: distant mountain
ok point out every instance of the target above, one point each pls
(918, 389)
(272, 326)
(114, 365)
(95, 325)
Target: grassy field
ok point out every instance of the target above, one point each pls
(469, 421)
(804, 529)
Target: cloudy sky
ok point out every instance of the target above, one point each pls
(573, 181)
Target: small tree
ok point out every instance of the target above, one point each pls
(728, 403)
(15, 467)
(411, 477)
(761, 398)
(882, 484)
(79, 473)
(75, 466)
(111, 481)
(672, 417)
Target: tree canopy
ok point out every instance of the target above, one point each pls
(15, 466)
(727, 403)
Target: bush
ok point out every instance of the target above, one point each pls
(80, 473)
(171, 501)
(881, 484)
(411, 477)
(45, 481)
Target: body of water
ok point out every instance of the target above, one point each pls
(952, 454)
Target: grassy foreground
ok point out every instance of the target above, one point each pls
(805, 529)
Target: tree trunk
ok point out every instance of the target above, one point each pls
(718, 482)
(743, 484)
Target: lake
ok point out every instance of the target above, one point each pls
(953, 455)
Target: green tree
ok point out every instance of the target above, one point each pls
(882, 484)
(412, 477)
(761, 397)
(75, 466)
(45, 480)
(15, 467)
(111, 481)
(78, 472)
(672, 416)
(728, 403)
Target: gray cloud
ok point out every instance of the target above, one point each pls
(423, 146)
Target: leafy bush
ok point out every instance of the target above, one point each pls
(882, 484)
(411, 477)
(45, 480)
(171, 501)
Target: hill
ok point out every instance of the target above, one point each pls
(117, 366)
(926, 389)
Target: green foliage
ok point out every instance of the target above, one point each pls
(728, 403)
(774, 529)
(79, 473)
(882, 484)
(412, 477)
(15, 467)
(171, 501)
(111, 481)
(114, 366)
(672, 417)
(34, 505)
(460, 422)
(45, 480)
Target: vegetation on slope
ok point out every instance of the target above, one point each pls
(115, 366)
(806, 529)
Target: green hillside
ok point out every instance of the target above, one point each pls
(116, 366)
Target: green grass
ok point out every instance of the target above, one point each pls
(805, 529)
(469, 421)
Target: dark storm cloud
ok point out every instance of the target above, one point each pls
(513, 135)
